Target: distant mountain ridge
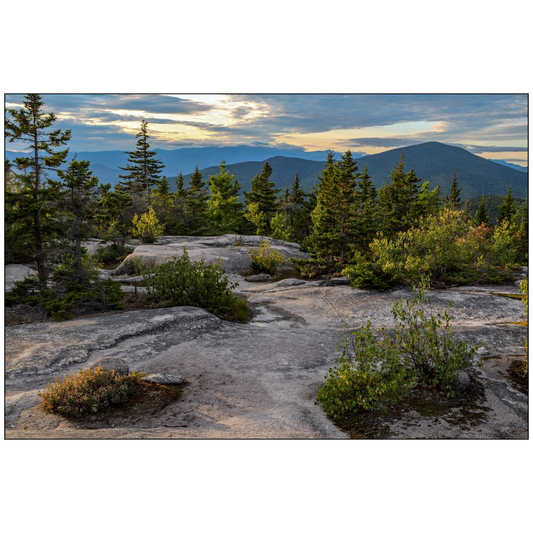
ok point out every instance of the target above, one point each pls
(106, 164)
(432, 161)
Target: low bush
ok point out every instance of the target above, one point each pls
(374, 372)
(113, 253)
(369, 375)
(366, 274)
(424, 338)
(64, 299)
(87, 392)
(147, 226)
(266, 259)
(445, 248)
(181, 281)
(309, 268)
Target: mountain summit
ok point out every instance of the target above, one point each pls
(436, 162)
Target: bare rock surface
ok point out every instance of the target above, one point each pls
(257, 380)
(232, 250)
(14, 273)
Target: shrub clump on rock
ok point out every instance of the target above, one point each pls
(374, 372)
(181, 281)
(265, 259)
(87, 392)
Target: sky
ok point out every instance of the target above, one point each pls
(491, 126)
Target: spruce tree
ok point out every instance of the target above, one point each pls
(481, 216)
(507, 210)
(196, 203)
(399, 204)
(263, 193)
(78, 203)
(454, 200)
(332, 230)
(223, 206)
(144, 169)
(365, 223)
(32, 126)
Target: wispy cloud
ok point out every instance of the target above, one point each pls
(368, 123)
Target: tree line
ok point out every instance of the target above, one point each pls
(344, 222)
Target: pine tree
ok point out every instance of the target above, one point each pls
(507, 210)
(144, 169)
(78, 202)
(454, 200)
(263, 193)
(196, 204)
(481, 216)
(223, 206)
(31, 125)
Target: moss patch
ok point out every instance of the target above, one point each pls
(465, 411)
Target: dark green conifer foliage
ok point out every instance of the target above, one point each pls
(481, 216)
(454, 200)
(223, 206)
(196, 204)
(263, 192)
(78, 202)
(32, 126)
(399, 200)
(163, 186)
(332, 230)
(114, 214)
(507, 210)
(365, 206)
(144, 169)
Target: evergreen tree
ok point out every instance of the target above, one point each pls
(399, 203)
(32, 126)
(223, 206)
(428, 200)
(163, 204)
(196, 204)
(263, 193)
(78, 202)
(481, 216)
(332, 230)
(454, 200)
(114, 215)
(365, 206)
(144, 169)
(507, 210)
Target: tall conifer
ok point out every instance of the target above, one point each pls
(144, 169)
(32, 126)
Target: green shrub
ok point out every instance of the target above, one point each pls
(372, 373)
(265, 259)
(77, 298)
(181, 281)
(25, 291)
(89, 391)
(147, 226)
(64, 299)
(369, 375)
(113, 253)
(309, 268)
(367, 274)
(424, 338)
